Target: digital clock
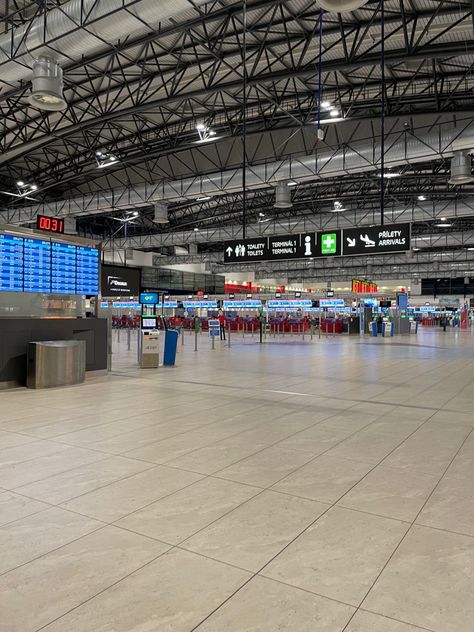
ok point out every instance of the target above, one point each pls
(50, 224)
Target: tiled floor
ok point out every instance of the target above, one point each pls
(322, 486)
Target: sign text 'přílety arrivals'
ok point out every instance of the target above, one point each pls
(330, 243)
(376, 239)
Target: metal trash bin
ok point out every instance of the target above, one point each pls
(55, 363)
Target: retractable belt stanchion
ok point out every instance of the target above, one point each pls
(303, 331)
(228, 336)
(128, 338)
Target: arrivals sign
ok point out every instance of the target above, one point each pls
(376, 240)
(330, 243)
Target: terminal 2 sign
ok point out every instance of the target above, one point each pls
(352, 241)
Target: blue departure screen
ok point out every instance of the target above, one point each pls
(11, 263)
(63, 269)
(43, 266)
(37, 269)
(87, 270)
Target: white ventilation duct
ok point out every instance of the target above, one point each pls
(161, 213)
(461, 169)
(47, 85)
(57, 30)
(340, 6)
(283, 196)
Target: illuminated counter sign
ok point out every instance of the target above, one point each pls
(289, 304)
(204, 304)
(242, 304)
(170, 304)
(331, 302)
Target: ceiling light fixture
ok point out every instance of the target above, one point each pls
(203, 198)
(445, 225)
(325, 104)
(196, 229)
(334, 113)
(105, 160)
(422, 198)
(338, 207)
(292, 183)
(20, 183)
(390, 174)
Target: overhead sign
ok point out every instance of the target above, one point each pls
(288, 304)
(325, 303)
(242, 304)
(376, 239)
(280, 247)
(364, 287)
(205, 304)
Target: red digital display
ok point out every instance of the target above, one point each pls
(364, 287)
(50, 224)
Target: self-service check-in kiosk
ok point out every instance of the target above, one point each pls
(150, 341)
(149, 348)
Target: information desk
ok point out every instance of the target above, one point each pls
(16, 333)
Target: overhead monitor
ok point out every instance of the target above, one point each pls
(120, 281)
(149, 298)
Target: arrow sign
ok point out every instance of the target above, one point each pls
(229, 251)
(351, 242)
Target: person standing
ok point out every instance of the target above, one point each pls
(221, 319)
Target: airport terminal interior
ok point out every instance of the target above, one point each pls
(236, 316)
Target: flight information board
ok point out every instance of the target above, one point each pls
(87, 270)
(63, 269)
(37, 265)
(40, 265)
(11, 263)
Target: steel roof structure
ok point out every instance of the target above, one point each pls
(140, 77)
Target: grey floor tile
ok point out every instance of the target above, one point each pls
(172, 594)
(127, 495)
(264, 605)
(58, 488)
(37, 593)
(32, 536)
(180, 515)
(14, 506)
(429, 582)
(451, 507)
(340, 555)
(368, 622)
(391, 492)
(266, 467)
(253, 533)
(325, 479)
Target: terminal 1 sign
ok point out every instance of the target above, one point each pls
(330, 243)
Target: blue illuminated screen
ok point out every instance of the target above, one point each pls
(40, 265)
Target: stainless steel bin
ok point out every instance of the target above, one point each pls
(55, 363)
